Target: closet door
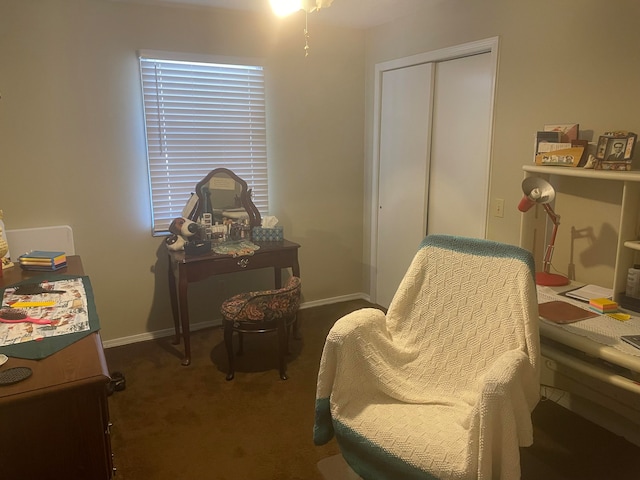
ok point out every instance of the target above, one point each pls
(460, 142)
(403, 173)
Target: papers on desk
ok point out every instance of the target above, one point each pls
(588, 292)
(601, 329)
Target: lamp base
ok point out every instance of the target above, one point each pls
(551, 279)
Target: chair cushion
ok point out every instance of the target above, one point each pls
(265, 305)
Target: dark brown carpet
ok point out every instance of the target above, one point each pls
(174, 422)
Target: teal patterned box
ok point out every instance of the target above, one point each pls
(274, 234)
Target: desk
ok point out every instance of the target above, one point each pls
(55, 424)
(184, 269)
(596, 381)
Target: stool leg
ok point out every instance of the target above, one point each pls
(240, 343)
(296, 329)
(228, 343)
(282, 348)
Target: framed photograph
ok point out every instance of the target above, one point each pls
(616, 146)
(615, 150)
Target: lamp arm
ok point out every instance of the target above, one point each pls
(549, 253)
(552, 215)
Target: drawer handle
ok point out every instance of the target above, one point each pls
(243, 262)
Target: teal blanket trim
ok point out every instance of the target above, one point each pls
(322, 427)
(372, 462)
(50, 345)
(477, 246)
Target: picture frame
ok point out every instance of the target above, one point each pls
(614, 150)
(616, 146)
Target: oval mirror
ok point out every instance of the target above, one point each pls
(226, 196)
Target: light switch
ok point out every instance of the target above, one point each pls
(498, 207)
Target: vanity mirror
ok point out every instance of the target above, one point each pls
(226, 196)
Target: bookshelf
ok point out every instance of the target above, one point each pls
(590, 196)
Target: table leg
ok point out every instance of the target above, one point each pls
(278, 277)
(173, 296)
(184, 316)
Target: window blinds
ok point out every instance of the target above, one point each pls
(201, 116)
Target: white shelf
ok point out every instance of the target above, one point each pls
(627, 183)
(630, 176)
(632, 244)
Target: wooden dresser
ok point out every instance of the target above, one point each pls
(55, 424)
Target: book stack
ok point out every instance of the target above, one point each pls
(43, 260)
(603, 305)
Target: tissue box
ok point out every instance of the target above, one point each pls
(274, 234)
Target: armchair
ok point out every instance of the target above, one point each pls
(443, 385)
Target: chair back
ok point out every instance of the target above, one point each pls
(463, 303)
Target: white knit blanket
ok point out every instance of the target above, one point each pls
(443, 385)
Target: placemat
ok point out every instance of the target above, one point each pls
(558, 311)
(49, 345)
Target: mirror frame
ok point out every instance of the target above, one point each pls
(255, 220)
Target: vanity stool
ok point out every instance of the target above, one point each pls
(260, 312)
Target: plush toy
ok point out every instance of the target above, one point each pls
(182, 231)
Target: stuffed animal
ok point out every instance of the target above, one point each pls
(182, 231)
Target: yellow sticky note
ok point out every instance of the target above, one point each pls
(623, 317)
(49, 303)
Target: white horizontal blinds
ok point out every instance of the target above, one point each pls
(201, 116)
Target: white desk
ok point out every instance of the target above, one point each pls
(586, 369)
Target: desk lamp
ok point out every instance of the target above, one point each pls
(540, 192)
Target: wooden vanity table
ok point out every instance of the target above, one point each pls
(222, 196)
(55, 424)
(184, 269)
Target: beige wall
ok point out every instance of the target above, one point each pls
(72, 143)
(559, 62)
(71, 111)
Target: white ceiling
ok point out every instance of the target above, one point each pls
(348, 13)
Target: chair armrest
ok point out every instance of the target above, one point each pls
(353, 328)
(355, 323)
(511, 371)
(508, 393)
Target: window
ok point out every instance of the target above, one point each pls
(200, 116)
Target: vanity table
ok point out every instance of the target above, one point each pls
(185, 269)
(223, 196)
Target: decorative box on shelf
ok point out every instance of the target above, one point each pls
(273, 234)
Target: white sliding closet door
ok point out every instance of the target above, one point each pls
(403, 173)
(459, 178)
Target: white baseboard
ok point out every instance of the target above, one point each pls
(167, 332)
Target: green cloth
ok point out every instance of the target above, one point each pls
(35, 350)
